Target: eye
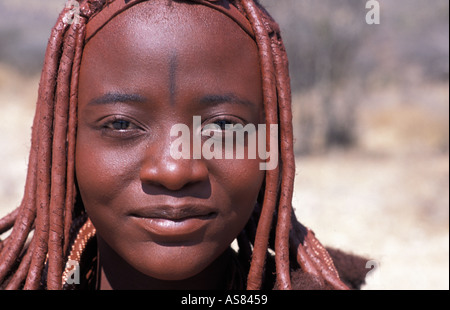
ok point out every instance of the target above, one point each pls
(118, 125)
(223, 122)
(222, 126)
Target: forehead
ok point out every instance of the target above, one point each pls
(166, 25)
(153, 40)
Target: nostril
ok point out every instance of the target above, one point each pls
(183, 177)
(200, 190)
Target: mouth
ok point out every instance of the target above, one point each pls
(175, 214)
(174, 224)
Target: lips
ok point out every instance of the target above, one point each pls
(174, 224)
(174, 213)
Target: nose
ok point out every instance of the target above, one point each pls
(160, 169)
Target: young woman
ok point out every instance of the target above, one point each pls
(106, 198)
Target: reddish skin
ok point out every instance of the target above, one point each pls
(169, 58)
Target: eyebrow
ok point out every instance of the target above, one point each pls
(208, 100)
(216, 99)
(112, 98)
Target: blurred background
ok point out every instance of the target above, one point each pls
(371, 121)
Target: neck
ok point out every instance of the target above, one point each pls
(116, 274)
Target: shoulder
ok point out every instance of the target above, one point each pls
(351, 268)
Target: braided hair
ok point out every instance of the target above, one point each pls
(40, 230)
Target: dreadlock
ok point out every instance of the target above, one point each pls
(34, 253)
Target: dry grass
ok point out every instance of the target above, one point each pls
(406, 120)
(393, 210)
(17, 98)
(387, 199)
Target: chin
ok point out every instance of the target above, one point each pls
(173, 265)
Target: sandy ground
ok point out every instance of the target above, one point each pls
(394, 210)
(17, 99)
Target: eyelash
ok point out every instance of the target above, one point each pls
(109, 129)
(108, 126)
(233, 120)
(222, 121)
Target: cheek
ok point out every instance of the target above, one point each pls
(243, 178)
(236, 184)
(239, 182)
(101, 174)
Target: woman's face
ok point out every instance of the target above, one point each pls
(152, 67)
